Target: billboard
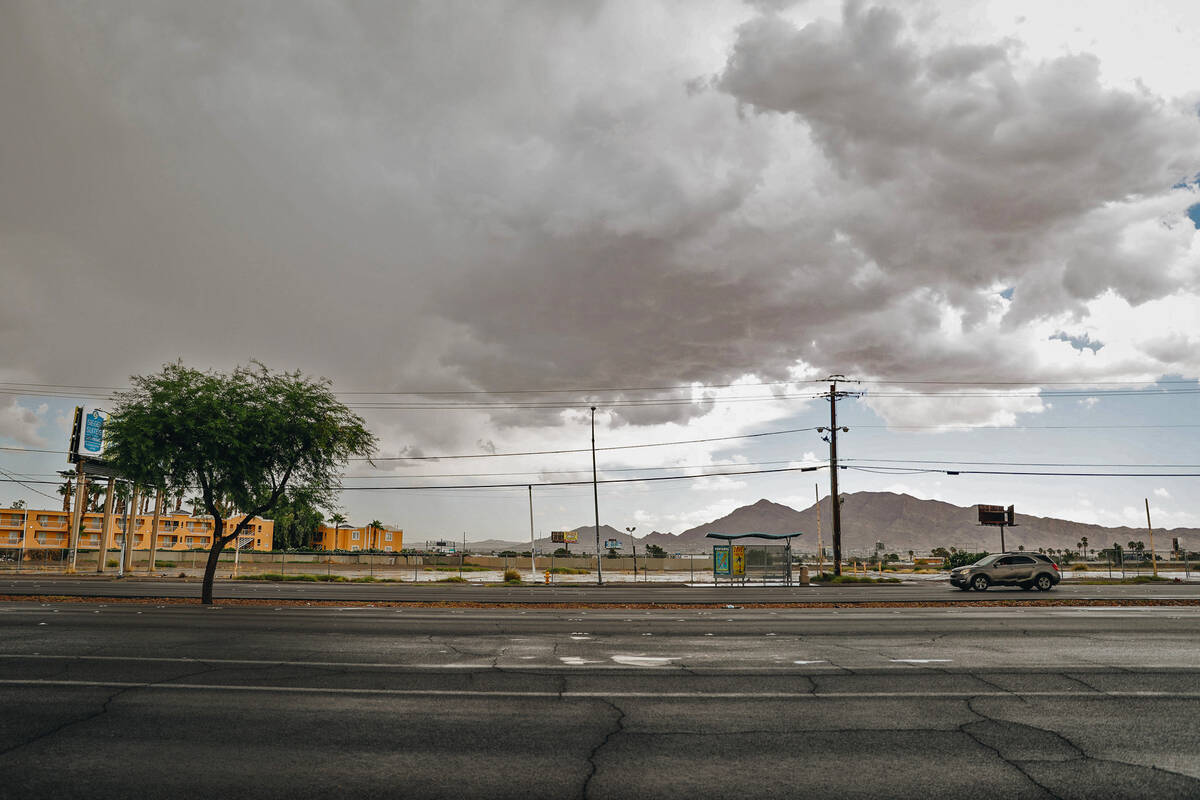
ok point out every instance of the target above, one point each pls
(737, 560)
(87, 434)
(720, 559)
(612, 544)
(997, 515)
(564, 537)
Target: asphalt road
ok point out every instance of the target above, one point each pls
(150, 700)
(916, 592)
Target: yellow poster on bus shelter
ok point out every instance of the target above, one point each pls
(739, 560)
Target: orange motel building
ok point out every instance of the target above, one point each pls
(29, 530)
(383, 539)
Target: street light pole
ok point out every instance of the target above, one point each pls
(532, 541)
(634, 546)
(596, 503)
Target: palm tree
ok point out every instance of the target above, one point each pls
(1083, 544)
(338, 521)
(374, 526)
(95, 495)
(67, 489)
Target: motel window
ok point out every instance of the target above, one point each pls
(354, 536)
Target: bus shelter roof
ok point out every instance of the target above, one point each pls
(729, 537)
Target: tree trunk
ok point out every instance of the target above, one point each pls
(210, 568)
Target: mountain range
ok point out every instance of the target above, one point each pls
(899, 522)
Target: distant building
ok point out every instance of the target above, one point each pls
(27, 530)
(384, 539)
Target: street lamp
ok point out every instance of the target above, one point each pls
(634, 546)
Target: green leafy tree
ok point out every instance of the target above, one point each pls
(296, 521)
(654, 551)
(961, 558)
(243, 438)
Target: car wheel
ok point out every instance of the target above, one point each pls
(1043, 582)
(980, 583)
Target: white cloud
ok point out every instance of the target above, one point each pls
(21, 424)
(1161, 492)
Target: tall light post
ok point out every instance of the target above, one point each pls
(634, 546)
(596, 503)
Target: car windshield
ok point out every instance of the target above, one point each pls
(986, 560)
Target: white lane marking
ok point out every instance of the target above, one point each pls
(644, 661)
(575, 661)
(679, 695)
(819, 661)
(921, 660)
(1141, 667)
(581, 638)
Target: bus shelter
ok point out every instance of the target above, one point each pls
(767, 560)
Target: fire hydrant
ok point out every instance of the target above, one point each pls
(546, 575)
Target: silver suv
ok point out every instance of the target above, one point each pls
(1027, 570)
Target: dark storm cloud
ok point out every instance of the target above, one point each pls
(502, 196)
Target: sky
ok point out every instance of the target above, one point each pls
(480, 220)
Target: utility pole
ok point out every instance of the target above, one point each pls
(1153, 559)
(596, 503)
(76, 518)
(833, 471)
(532, 542)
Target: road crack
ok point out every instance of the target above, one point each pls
(618, 728)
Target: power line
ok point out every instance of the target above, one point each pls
(524, 484)
(10, 479)
(588, 449)
(913, 470)
(1019, 463)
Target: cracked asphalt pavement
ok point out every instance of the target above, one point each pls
(154, 700)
